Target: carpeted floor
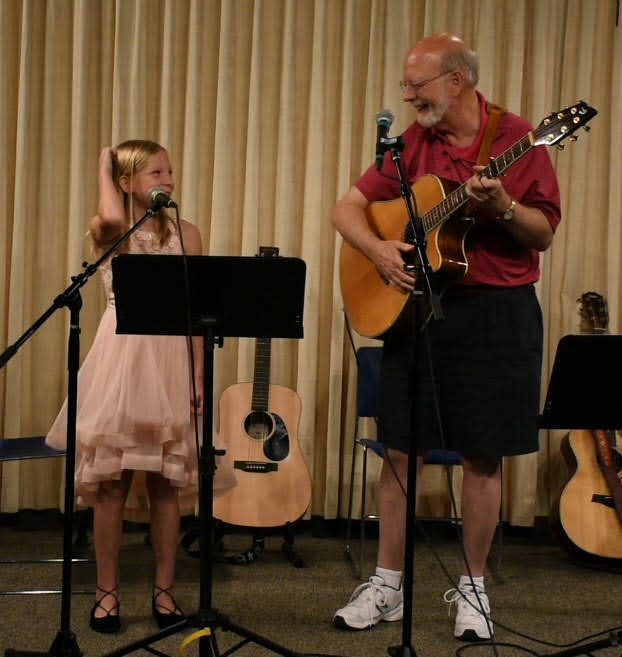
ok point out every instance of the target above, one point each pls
(543, 595)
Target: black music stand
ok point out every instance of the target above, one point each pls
(584, 390)
(224, 297)
(583, 393)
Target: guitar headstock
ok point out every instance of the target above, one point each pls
(594, 312)
(268, 251)
(559, 125)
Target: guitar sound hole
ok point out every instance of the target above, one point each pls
(258, 425)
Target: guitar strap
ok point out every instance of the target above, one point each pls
(608, 467)
(494, 114)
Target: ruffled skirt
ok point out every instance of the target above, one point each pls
(134, 413)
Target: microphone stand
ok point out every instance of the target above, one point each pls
(424, 289)
(65, 644)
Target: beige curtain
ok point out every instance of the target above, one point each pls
(267, 108)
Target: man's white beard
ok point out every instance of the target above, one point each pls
(434, 114)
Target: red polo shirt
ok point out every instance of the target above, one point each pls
(494, 257)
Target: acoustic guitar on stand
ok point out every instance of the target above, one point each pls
(259, 425)
(590, 505)
(372, 305)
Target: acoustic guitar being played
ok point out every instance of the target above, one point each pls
(590, 505)
(259, 425)
(372, 305)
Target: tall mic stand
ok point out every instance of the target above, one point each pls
(424, 290)
(65, 643)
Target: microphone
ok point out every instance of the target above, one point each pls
(158, 198)
(384, 119)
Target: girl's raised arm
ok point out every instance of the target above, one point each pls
(110, 220)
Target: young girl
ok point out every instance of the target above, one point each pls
(135, 444)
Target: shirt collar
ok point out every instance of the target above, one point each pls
(469, 152)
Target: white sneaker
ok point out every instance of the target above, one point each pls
(471, 623)
(371, 603)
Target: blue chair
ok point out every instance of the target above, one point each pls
(17, 449)
(368, 376)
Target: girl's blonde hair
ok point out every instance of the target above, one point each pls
(131, 157)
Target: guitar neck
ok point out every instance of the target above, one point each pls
(261, 380)
(459, 197)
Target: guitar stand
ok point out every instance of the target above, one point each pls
(211, 283)
(258, 546)
(194, 534)
(251, 555)
(288, 547)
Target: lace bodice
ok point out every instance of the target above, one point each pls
(142, 241)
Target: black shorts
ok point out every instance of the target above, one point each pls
(487, 360)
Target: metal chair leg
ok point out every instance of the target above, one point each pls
(363, 512)
(356, 568)
(495, 565)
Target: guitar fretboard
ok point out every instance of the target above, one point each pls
(261, 382)
(459, 197)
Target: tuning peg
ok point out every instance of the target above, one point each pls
(587, 128)
(574, 137)
(560, 147)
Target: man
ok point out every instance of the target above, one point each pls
(487, 350)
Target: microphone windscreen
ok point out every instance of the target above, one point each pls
(385, 116)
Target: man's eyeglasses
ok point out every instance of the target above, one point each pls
(416, 86)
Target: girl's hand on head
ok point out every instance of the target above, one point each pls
(107, 158)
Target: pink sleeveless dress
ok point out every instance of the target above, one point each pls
(134, 410)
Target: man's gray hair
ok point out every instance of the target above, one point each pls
(464, 60)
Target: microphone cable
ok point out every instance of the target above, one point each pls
(189, 335)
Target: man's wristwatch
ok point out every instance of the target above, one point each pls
(508, 215)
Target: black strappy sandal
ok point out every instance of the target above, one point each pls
(110, 623)
(166, 618)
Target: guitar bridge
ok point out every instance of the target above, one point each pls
(256, 466)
